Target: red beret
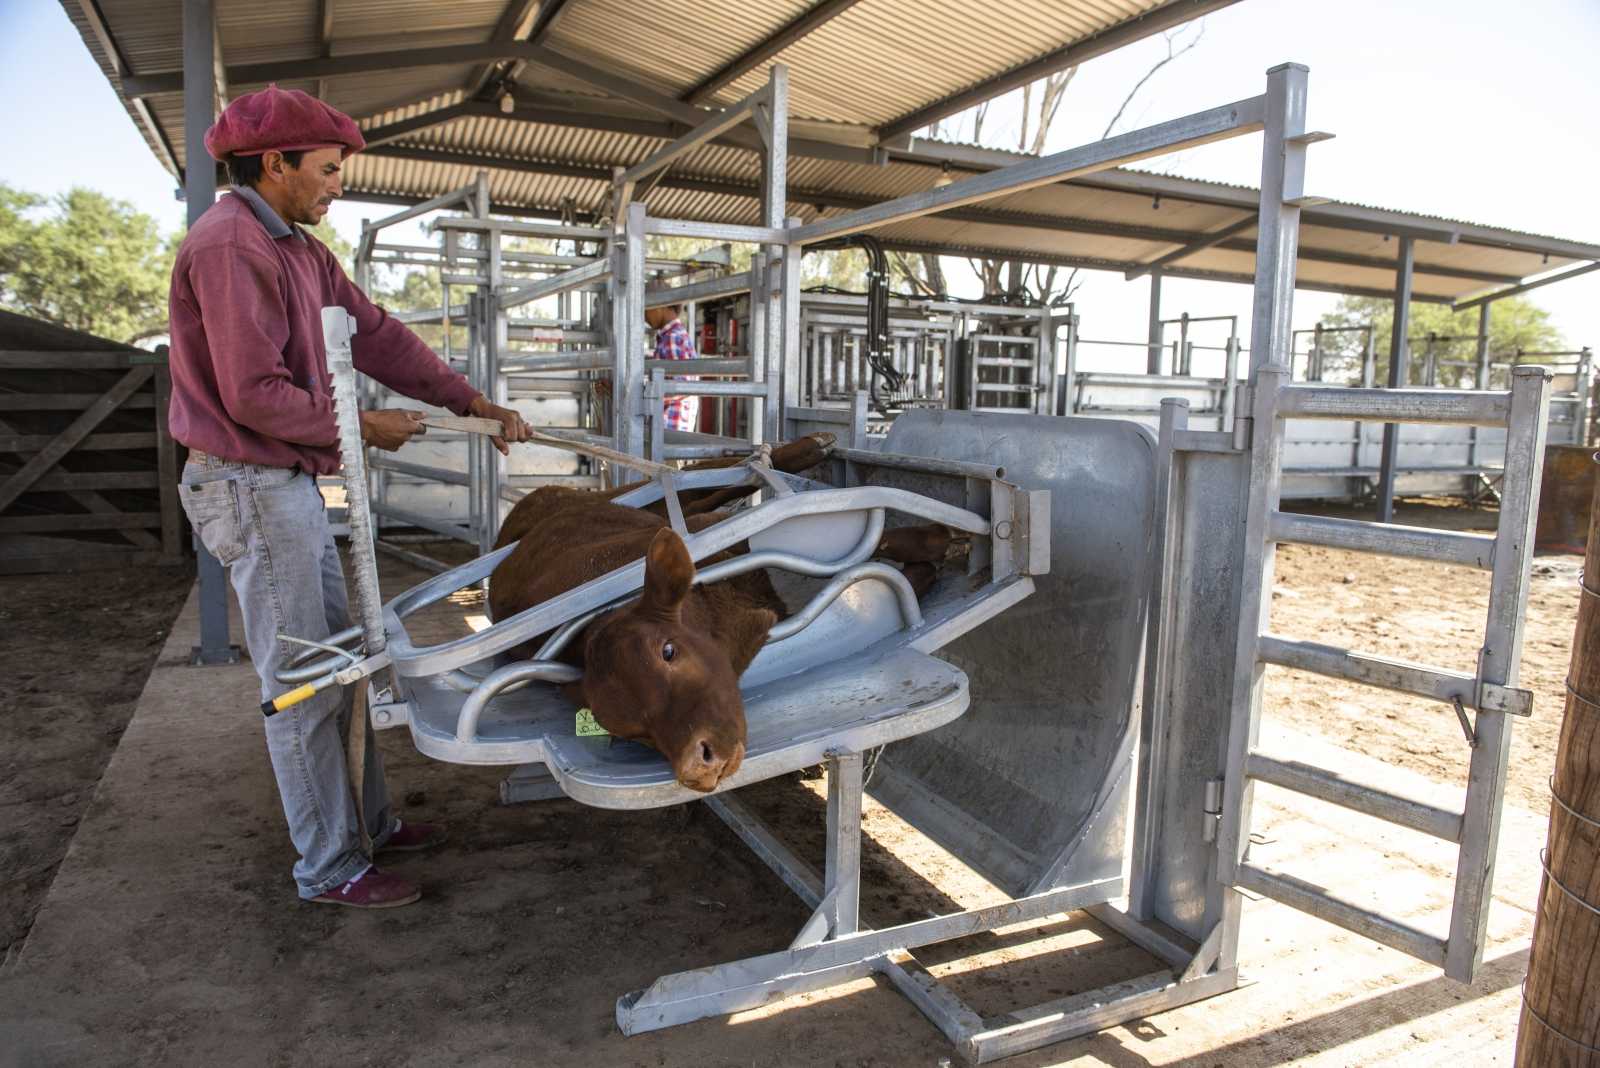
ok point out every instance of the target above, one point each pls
(285, 119)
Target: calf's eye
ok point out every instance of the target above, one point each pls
(668, 652)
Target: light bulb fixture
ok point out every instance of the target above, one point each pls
(507, 103)
(945, 177)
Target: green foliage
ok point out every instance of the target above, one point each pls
(1515, 324)
(86, 261)
(342, 250)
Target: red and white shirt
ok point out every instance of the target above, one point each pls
(673, 343)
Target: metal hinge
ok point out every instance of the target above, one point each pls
(1211, 819)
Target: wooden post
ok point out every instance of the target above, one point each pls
(1561, 1004)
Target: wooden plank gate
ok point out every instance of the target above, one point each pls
(88, 471)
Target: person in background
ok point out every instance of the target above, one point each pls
(673, 343)
(252, 400)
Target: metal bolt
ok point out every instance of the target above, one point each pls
(383, 716)
(1002, 530)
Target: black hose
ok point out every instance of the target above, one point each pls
(877, 311)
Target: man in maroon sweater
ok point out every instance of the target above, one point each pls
(252, 400)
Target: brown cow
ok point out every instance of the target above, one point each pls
(664, 669)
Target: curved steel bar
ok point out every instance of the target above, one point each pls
(412, 661)
(300, 669)
(800, 565)
(499, 680)
(441, 586)
(737, 566)
(707, 478)
(910, 611)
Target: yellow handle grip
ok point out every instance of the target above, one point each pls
(288, 700)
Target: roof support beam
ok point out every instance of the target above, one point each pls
(1485, 299)
(831, 199)
(1198, 245)
(666, 130)
(508, 28)
(1092, 263)
(325, 39)
(1165, 17)
(764, 50)
(1215, 124)
(119, 68)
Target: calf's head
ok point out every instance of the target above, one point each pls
(665, 672)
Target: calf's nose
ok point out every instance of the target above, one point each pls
(706, 766)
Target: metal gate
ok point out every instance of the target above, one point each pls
(1491, 692)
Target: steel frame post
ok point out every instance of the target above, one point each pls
(1498, 664)
(1069, 373)
(774, 204)
(1159, 631)
(1044, 397)
(757, 340)
(1277, 243)
(1153, 336)
(793, 341)
(199, 191)
(627, 333)
(1399, 376)
(1480, 378)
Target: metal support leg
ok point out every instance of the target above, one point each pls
(842, 874)
(1399, 362)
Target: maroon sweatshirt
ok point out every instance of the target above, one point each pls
(249, 380)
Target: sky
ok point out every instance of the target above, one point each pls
(1461, 108)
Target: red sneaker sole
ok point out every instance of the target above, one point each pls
(369, 904)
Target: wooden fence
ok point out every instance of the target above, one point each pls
(88, 471)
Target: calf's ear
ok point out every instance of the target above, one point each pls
(747, 633)
(668, 574)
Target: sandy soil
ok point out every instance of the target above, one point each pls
(1429, 614)
(73, 660)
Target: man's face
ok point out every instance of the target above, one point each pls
(304, 192)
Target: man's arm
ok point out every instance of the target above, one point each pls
(386, 349)
(241, 306)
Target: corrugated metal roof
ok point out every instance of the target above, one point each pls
(872, 63)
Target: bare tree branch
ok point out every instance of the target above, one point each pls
(1171, 37)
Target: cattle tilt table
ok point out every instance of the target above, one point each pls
(1098, 735)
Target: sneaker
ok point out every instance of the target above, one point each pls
(410, 837)
(372, 889)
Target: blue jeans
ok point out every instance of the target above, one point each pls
(268, 526)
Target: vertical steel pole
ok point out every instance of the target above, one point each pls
(1480, 379)
(1283, 164)
(757, 341)
(1044, 381)
(1497, 663)
(793, 354)
(199, 191)
(1153, 338)
(628, 334)
(1069, 374)
(1399, 376)
(1149, 807)
(774, 206)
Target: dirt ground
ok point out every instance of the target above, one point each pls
(1429, 614)
(73, 660)
(72, 677)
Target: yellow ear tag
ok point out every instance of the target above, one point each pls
(587, 727)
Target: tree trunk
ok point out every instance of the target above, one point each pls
(1562, 995)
